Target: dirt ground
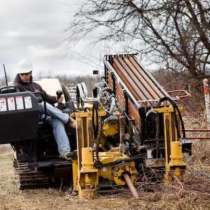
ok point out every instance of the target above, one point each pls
(194, 195)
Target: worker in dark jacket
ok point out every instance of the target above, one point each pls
(58, 119)
(24, 82)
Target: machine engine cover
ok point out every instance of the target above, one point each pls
(19, 117)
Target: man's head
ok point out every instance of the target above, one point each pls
(25, 70)
(25, 77)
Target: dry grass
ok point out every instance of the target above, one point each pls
(194, 193)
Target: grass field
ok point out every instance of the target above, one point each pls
(193, 194)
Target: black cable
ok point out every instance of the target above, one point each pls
(95, 117)
(176, 109)
(114, 83)
(44, 98)
(78, 100)
(174, 114)
(96, 129)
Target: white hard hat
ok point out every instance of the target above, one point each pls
(24, 66)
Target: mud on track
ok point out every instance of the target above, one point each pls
(163, 197)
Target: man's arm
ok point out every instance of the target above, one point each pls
(50, 99)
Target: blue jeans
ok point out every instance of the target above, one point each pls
(58, 119)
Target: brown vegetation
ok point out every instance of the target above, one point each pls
(194, 105)
(173, 33)
(193, 193)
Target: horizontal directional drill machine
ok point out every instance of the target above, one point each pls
(130, 128)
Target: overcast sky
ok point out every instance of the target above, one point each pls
(34, 29)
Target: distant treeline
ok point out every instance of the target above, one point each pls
(168, 79)
(69, 80)
(90, 81)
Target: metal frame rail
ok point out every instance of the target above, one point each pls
(141, 87)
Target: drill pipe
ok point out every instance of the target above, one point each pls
(130, 185)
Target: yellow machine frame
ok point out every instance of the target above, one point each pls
(174, 160)
(85, 174)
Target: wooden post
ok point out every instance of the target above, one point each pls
(207, 101)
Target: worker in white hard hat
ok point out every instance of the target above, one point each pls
(24, 66)
(58, 119)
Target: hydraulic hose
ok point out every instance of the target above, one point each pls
(43, 98)
(95, 124)
(95, 119)
(173, 103)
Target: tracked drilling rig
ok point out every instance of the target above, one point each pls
(130, 125)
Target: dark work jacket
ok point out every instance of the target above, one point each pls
(33, 87)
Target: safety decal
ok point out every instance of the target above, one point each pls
(19, 102)
(3, 105)
(28, 102)
(11, 103)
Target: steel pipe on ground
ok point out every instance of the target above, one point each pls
(130, 185)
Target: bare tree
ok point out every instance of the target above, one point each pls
(174, 32)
